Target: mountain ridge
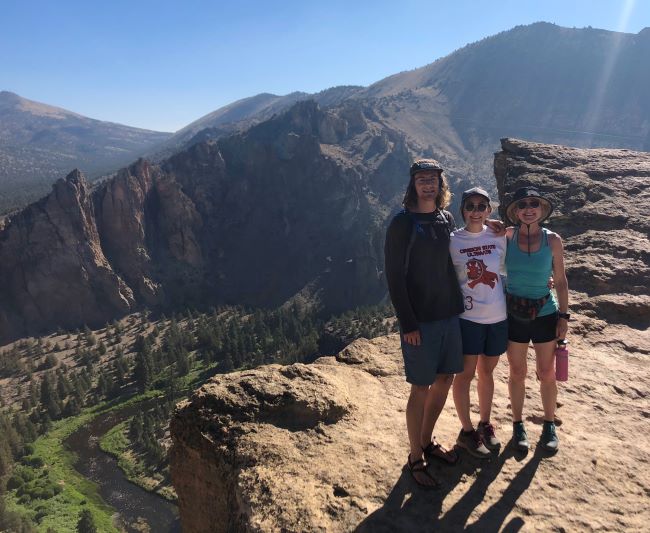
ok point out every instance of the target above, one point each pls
(39, 143)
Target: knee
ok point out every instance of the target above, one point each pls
(484, 374)
(546, 375)
(518, 373)
(463, 377)
(419, 391)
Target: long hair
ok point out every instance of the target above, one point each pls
(443, 199)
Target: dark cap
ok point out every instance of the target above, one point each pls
(425, 165)
(474, 191)
(528, 192)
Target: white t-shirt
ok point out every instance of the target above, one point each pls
(479, 260)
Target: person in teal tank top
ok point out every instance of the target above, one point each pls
(533, 255)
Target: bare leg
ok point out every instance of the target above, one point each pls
(517, 382)
(414, 415)
(435, 401)
(544, 354)
(485, 385)
(461, 387)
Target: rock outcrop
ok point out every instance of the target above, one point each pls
(322, 447)
(53, 270)
(601, 197)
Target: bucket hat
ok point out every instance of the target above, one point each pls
(528, 192)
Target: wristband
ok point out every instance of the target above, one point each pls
(567, 316)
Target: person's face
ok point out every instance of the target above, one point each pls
(427, 184)
(529, 210)
(476, 209)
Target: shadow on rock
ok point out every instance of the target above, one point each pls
(411, 509)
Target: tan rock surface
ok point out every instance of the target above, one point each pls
(322, 447)
(601, 199)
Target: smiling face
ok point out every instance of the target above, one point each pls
(476, 210)
(529, 210)
(427, 184)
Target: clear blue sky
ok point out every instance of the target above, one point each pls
(162, 64)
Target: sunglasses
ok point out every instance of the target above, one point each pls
(475, 207)
(533, 204)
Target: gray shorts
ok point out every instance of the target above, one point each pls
(440, 352)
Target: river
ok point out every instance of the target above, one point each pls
(134, 505)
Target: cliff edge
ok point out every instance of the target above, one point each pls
(323, 447)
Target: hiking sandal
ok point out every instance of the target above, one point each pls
(435, 450)
(420, 467)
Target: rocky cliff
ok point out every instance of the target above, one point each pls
(322, 447)
(600, 197)
(294, 205)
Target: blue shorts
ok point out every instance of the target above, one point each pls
(440, 352)
(485, 339)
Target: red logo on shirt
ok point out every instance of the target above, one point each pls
(477, 273)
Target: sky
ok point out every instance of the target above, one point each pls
(163, 64)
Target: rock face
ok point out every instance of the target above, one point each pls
(601, 198)
(295, 205)
(53, 267)
(322, 447)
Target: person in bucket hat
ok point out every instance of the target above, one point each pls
(534, 254)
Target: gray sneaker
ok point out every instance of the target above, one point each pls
(520, 437)
(486, 431)
(473, 443)
(549, 439)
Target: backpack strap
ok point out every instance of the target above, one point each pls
(417, 228)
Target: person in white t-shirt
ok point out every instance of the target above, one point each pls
(478, 255)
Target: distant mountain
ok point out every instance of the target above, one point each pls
(39, 143)
(581, 87)
(246, 112)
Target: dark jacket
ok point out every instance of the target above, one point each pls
(429, 290)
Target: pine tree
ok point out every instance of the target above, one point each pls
(86, 524)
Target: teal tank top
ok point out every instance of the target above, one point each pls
(528, 274)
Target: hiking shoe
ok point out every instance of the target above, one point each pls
(549, 439)
(486, 431)
(473, 443)
(519, 437)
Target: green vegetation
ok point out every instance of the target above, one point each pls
(39, 487)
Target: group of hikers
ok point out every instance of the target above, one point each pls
(465, 296)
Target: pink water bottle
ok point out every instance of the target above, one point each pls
(562, 361)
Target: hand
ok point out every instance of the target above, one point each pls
(497, 226)
(561, 328)
(413, 337)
